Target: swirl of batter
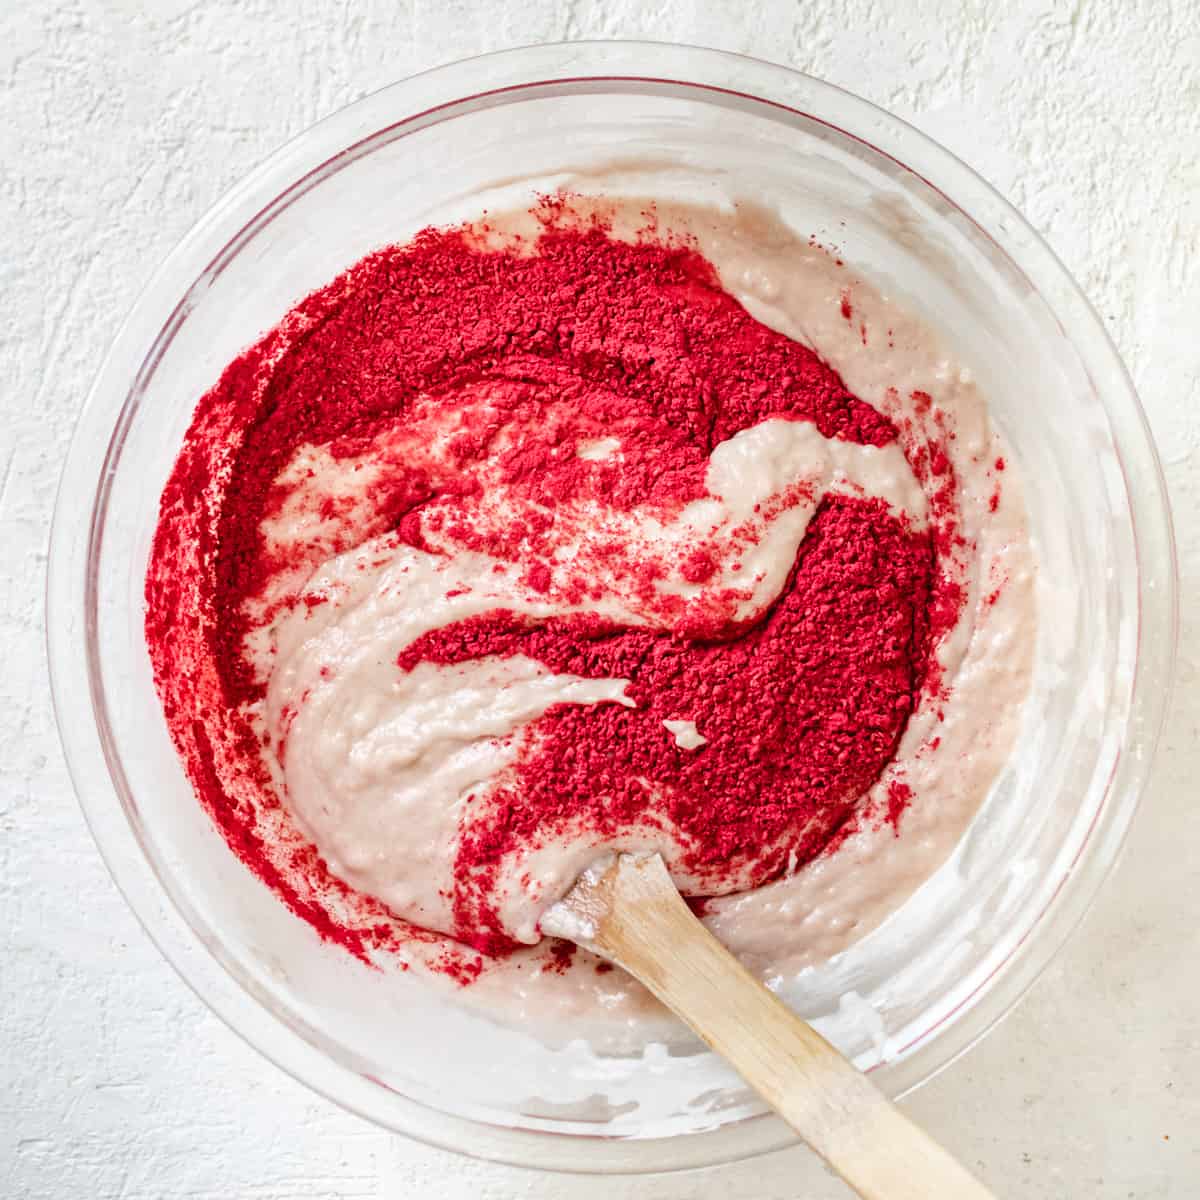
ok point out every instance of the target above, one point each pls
(529, 540)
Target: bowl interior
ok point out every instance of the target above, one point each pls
(386, 1042)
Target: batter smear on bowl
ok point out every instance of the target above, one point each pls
(605, 525)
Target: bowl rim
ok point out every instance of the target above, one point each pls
(71, 623)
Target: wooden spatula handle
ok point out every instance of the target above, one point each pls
(836, 1109)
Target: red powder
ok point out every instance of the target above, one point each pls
(899, 797)
(588, 338)
(562, 954)
(638, 340)
(802, 711)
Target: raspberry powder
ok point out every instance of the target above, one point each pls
(581, 336)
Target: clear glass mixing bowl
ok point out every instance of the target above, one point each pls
(439, 147)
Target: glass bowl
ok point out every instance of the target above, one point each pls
(439, 147)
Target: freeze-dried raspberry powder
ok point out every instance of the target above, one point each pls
(582, 336)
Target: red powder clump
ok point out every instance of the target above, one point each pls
(587, 337)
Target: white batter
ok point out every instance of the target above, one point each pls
(379, 765)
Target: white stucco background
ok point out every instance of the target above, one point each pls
(120, 123)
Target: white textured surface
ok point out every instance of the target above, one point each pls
(117, 130)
